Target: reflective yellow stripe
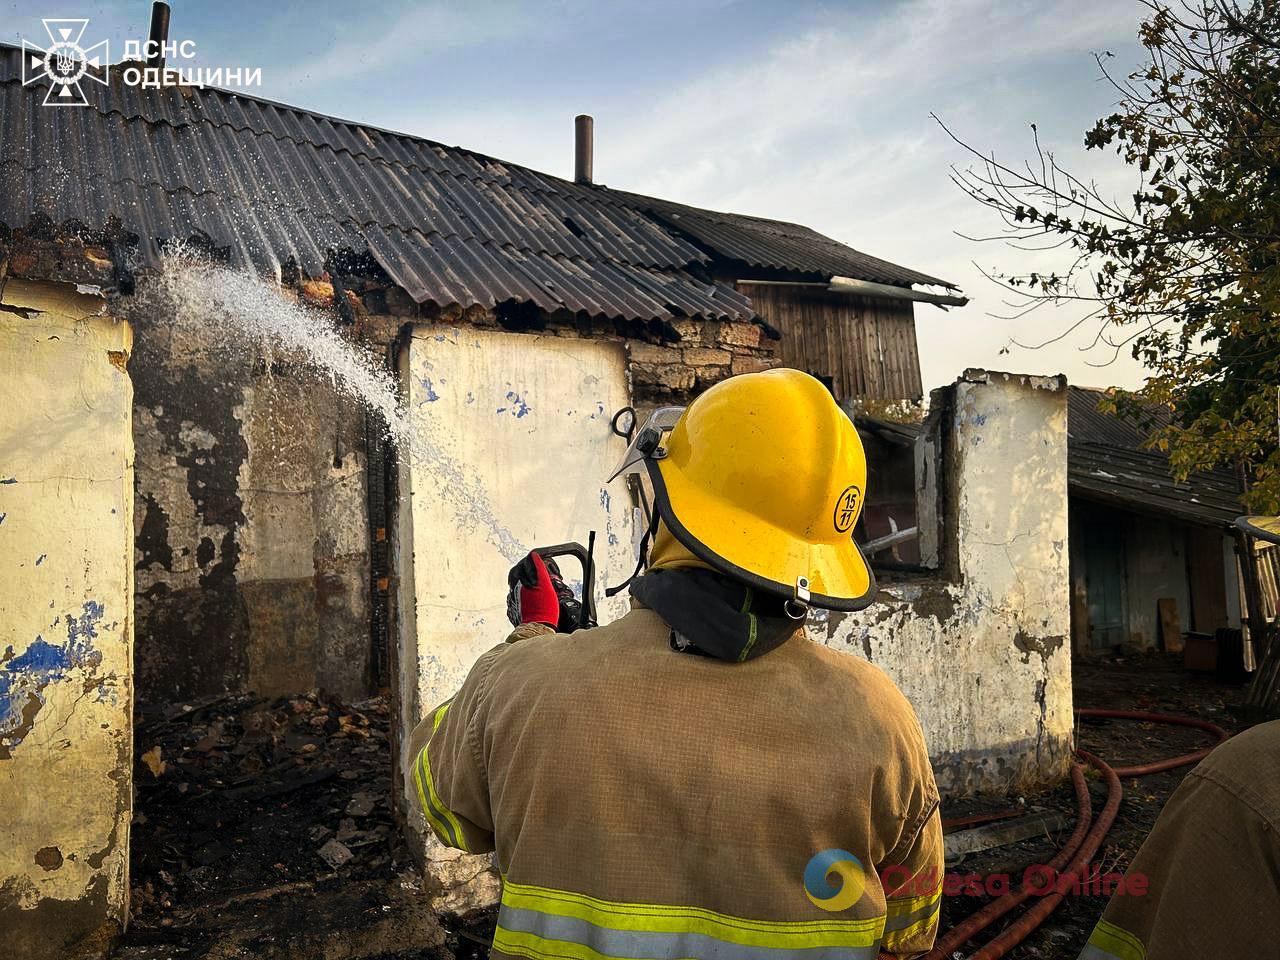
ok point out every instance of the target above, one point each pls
(656, 918)
(442, 819)
(898, 906)
(436, 825)
(898, 938)
(908, 917)
(439, 714)
(1109, 942)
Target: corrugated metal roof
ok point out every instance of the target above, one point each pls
(776, 245)
(1106, 461)
(269, 182)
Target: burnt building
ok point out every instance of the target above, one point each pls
(186, 520)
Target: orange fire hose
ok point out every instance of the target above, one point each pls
(1079, 849)
(968, 928)
(1159, 766)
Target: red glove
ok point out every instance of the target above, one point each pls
(532, 597)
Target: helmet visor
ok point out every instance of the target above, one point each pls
(650, 440)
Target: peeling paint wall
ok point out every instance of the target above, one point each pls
(66, 620)
(516, 449)
(252, 524)
(981, 650)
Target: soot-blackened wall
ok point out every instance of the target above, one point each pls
(252, 557)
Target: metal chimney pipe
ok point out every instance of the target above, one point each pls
(583, 147)
(159, 34)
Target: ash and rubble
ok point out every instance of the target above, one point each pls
(263, 828)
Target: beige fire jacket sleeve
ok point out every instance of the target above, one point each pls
(1211, 866)
(457, 805)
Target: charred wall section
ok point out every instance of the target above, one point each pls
(252, 557)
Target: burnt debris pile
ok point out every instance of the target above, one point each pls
(263, 827)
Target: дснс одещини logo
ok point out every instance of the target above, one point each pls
(65, 63)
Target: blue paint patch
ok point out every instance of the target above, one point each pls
(2, 516)
(613, 539)
(9, 480)
(40, 559)
(26, 676)
(980, 419)
(431, 395)
(518, 406)
(605, 500)
(471, 397)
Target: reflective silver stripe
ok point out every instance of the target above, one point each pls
(649, 945)
(902, 921)
(1090, 952)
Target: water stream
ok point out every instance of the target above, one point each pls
(241, 317)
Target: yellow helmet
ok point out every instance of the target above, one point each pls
(763, 477)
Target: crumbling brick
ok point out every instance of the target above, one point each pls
(478, 316)
(706, 376)
(740, 334)
(650, 353)
(318, 293)
(749, 364)
(669, 377)
(688, 329)
(704, 356)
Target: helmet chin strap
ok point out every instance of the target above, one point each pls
(643, 560)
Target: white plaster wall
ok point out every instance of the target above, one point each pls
(513, 446)
(985, 659)
(66, 630)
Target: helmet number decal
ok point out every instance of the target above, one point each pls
(847, 508)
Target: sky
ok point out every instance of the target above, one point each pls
(815, 113)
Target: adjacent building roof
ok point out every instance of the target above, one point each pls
(1106, 462)
(776, 245)
(271, 183)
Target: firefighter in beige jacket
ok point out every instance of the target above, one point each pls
(1210, 868)
(698, 779)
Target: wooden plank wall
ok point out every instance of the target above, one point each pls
(867, 346)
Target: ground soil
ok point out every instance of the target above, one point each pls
(1151, 683)
(263, 828)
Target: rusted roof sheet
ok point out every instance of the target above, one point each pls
(1106, 462)
(269, 183)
